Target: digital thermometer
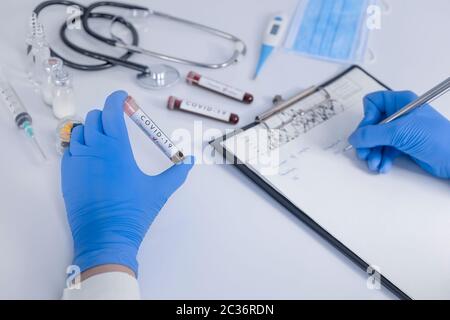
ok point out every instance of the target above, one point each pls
(272, 38)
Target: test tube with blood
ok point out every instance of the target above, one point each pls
(150, 128)
(175, 103)
(196, 79)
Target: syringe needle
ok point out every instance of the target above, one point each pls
(38, 147)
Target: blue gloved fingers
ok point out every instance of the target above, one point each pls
(65, 164)
(77, 145)
(363, 153)
(374, 159)
(94, 121)
(381, 104)
(401, 99)
(77, 149)
(374, 136)
(372, 113)
(77, 135)
(417, 134)
(113, 115)
(171, 179)
(93, 128)
(389, 156)
(110, 203)
(65, 157)
(370, 137)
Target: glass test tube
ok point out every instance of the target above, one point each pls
(175, 103)
(64, 133)
(51, 65)
(63, 94)
(194, 78)
(150, 128)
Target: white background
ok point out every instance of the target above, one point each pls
(219, 236)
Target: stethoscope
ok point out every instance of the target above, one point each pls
(151, 77)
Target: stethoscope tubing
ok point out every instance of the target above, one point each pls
(101, 56)
(133, 47)
(136, 49)
(109, 61)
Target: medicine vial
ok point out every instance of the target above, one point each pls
(51, 66)
(63, 95)
(150, 128)
(64, 133)
(175, 103)
(38, 50)
(196, 79)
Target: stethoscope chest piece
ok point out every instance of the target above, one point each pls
(160, 76)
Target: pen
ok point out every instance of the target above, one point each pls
(285, 104)
(427, 97)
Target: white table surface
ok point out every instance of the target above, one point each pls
(219, 236)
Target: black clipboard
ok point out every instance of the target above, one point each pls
(297, 212)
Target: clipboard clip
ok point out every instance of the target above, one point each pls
(281, 104)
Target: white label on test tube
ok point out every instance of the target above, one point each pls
(152, 130)
(221, 87)
(196, 79)
(207, 111)
(175, 103)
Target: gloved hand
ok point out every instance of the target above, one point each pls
(110, 202)
(423, 134)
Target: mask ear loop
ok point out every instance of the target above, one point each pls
(370, 56)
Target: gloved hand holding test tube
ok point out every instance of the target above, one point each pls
(110, 201)
(147, 125)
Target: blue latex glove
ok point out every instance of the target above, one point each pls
(110, 202)
(423, 134)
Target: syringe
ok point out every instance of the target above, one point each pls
(20, 115)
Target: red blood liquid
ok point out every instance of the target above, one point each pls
(234, 118)
(248, 98)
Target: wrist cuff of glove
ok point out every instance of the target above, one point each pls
(99, 257)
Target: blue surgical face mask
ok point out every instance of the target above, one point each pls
(330, 29)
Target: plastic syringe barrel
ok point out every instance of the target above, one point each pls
(13, 103)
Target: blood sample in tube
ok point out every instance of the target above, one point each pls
(175, 103)
(150, 128)
(196, 79)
